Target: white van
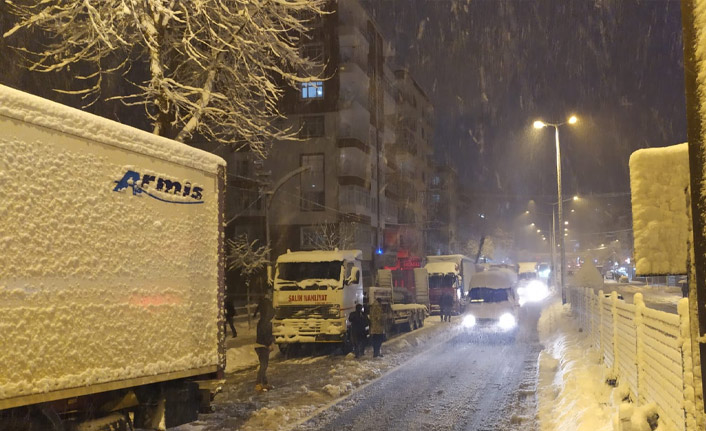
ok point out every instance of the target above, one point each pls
(493, 304)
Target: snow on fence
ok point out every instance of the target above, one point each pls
(645, 350)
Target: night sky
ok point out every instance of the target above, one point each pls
(492, 67)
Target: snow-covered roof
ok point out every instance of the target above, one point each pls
(527, 266)
(658, 180)
(320, 256)
(456, 258)
(494, 279)
(444, 267)
(42, 112)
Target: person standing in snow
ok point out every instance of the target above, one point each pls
(377, 327)
(359, 321)
(230, 314)
(264, 344)
(446, 304)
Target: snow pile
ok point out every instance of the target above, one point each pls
(571, 391)
(571, 394)
(658, 181)
(98, 285)
(587, 276)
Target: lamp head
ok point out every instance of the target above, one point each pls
(573, 119)
(539, 124)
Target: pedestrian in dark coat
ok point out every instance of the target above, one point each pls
(446, 305)
(230, 314)
(264, 344)
(359, 322)
(377, 327)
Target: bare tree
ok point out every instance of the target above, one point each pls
(213, 69)
(329, 236)
(246, 257)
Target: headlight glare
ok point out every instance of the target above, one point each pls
(507, 322)
(469, 321)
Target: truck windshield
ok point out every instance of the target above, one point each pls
(300, 271)
(485, 294)
(437, 281)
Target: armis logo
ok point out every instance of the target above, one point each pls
(164, 185)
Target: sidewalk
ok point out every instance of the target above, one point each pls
(240, 351)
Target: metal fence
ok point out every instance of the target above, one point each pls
(646, 350)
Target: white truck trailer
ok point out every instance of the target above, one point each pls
(314, 292)
(111, 286)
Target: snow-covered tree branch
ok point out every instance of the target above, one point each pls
(213, 69)
(245, 255)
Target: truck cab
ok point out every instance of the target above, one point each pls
(314, 293)
(449, 275)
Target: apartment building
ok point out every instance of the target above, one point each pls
(346, 121)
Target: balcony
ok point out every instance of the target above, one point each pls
(354, 200)
(354, 122)
(353, 162)
(353, 45)
(355, 84)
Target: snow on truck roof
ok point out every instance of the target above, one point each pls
(320, 256)
(441, 267)
(494, 279)
(447, 258)
(45, 113)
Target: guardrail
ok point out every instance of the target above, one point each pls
(646, 351)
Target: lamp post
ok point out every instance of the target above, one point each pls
(540, 125)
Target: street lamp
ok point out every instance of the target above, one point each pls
(540, 125)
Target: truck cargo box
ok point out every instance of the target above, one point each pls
(111, 247)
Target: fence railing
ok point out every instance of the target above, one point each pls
(647, 351)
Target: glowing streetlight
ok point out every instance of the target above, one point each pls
(539, 125)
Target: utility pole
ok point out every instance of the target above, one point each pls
(693, 70)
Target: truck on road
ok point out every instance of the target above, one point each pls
(449, 275)
(111, 287)
(315, 292)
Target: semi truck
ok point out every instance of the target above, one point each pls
(449, 275)
(409, 283)
(111, 287)
(315, 292)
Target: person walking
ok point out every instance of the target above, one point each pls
(230, 314)
(377, 327)
(446, 306)
(359, 321)
(264, 344)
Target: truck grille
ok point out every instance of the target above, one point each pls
(326, 311)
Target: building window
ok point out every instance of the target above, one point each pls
(311, 126)
(309, 237)
(312, 183)
(313, 52)
(312, 90)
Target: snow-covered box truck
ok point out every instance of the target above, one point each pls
(314, 292)
(449, 275)
(111, 281)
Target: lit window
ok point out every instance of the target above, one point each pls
(312, 90)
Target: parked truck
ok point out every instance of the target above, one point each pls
(449, 275)
(111, 287)
(409, 283)
(315, 292)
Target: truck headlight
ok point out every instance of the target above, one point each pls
(469, 321)
(507, 322)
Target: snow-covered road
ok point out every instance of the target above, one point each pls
(431, 378)
(461, 384)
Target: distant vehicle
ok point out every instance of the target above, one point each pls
(527, 270)
(449, 275)
(493, 303)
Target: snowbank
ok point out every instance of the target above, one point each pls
(571, 391)
(587, 276)
(658, 181)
